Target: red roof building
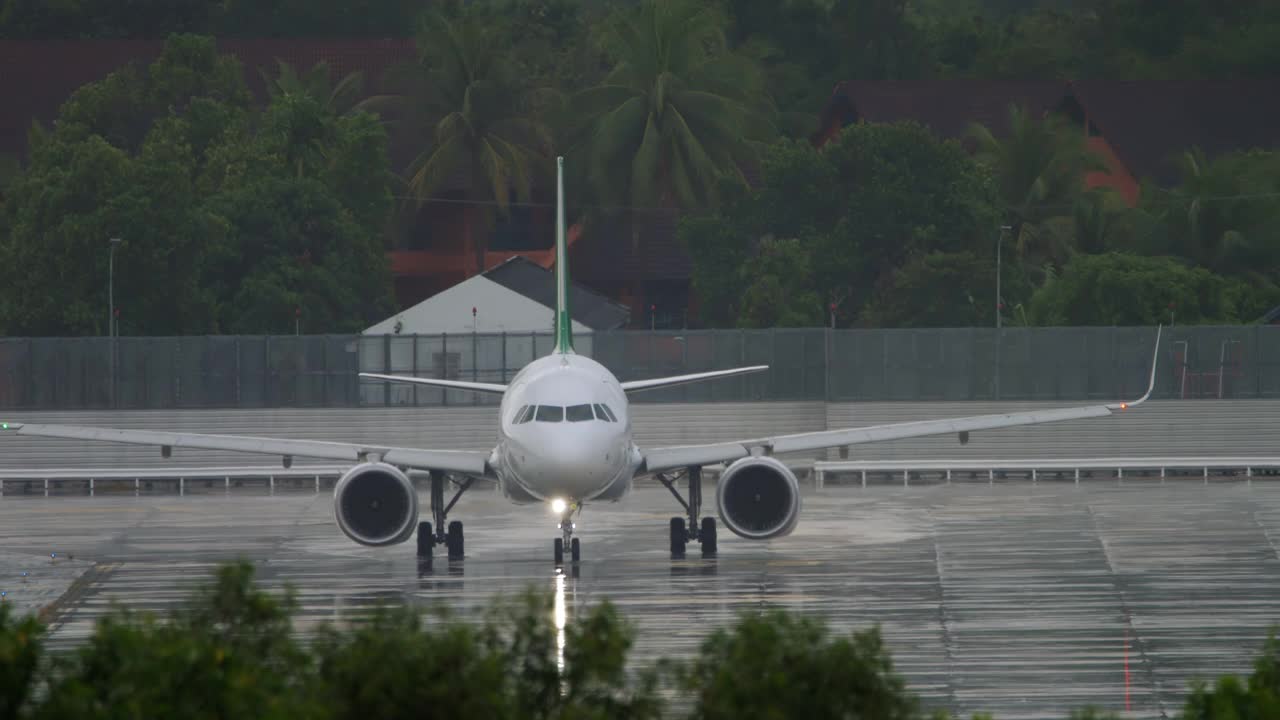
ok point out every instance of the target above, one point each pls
(1139, 127)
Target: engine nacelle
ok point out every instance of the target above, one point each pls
(376, 504)
(759, 498)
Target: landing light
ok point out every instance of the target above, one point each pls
(1124, 406)
(558, 506)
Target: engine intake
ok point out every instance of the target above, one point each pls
(376, 504)
(759, 498)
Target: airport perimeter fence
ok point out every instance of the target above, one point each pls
(1096, 363)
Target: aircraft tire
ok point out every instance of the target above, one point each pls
(453, 540)
(678, 537)
(558, 551)
(575, 550)
(426, 540)
(708, 537)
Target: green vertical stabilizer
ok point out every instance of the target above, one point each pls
(564, 321)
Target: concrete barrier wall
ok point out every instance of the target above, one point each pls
(1177, 428)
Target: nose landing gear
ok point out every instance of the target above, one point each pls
(566, 539)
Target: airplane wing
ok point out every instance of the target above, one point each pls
(670, 458)
(469, 462)
(452, 384)
(654, 383)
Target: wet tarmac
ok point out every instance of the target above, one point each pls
(1019, 599)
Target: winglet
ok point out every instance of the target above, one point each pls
(1151, 384)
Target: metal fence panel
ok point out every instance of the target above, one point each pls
(1050, 364)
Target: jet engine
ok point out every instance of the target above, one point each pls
(759, 498)
(376, 504)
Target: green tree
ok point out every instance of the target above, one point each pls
(315, 18)
(230, 219)
(21, 647)
(10, 169)
(1039, 168)
(799, 51)
(1258, 696)
(859, 209)
(775, 664)
(229, 653)
(337, 98)
(548, 41)
(905, 193)
(1223, 214)
(1123, 289)
(189, 79)
(674, 116)
(938, 290)
(879, 40)
(775, 286)
(505, 667)
(473, 116)
(85, 19)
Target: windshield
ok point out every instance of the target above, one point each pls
(549, 413)
(578, 413)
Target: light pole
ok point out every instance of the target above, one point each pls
(111, 289)
(999, 298)
(111, 314)
(999, 304)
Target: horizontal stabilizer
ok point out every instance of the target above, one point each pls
(451, 384)
(655, 383)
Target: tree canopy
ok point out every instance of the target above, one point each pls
(231, 219)
(838, 226)
(237, 211)
(231, 650)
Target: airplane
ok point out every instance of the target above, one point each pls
(565, 439)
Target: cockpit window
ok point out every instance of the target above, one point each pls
(609, 411)
(550, 413)
(601, 413)
(525, 414)
(577, 413)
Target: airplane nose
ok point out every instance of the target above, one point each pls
(575, 468)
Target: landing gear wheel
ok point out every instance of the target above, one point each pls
(426, 540)
(453, 540)
(708, 537)
(558, 550)
(575, 550)
(679, 536)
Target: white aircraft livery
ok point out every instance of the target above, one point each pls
(565, 439)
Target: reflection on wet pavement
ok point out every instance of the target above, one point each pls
(1019, 599)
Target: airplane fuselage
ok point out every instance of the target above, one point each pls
(565, 433)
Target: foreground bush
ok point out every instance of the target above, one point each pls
(231, 653)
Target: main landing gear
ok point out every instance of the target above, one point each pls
(452, 538)
(566, 539)
(700, 529)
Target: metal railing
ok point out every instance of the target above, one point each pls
(1033, 470)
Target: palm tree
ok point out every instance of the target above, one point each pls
(474, 119)
(1221, 214)
(676, 114)
(316, 83)
(10, 170)
(1039, 169)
